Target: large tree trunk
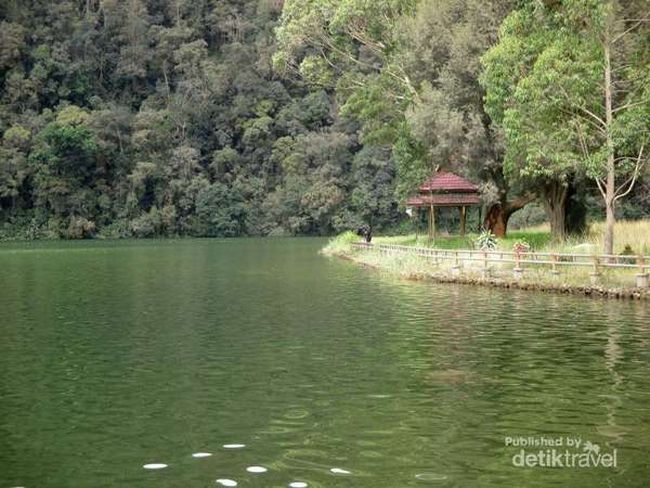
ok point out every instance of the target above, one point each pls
(498, 214)
(555, 200)
(556, 216)
(496, 220)
(565, 207)
(576, 208)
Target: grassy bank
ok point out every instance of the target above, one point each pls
(633, 234)
(612, 282)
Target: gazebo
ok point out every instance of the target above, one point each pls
(445, 189)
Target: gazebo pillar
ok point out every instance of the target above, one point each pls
(432, 222)
(416, 219)
(463, 217)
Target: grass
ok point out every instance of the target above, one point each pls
(341, 244)
(635, 234)
(538, 239)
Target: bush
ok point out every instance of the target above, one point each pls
(54, 229)
(341, 243)
(79, 228)
(118, 229)
(147, 225)
(486, 241)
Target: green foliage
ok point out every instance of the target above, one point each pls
(413, 166)
(354, 48)
(341, 244)
(219, 212)
(526, 76)
(486, 241)
(80, 228)
(239, 117)
(150, 119)
(545, 85)
(16, 136)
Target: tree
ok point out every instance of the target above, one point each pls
(315, 167)
(408, 71)
(325, 39)
(138, 118)
(577, 98)
(13, 163)
(442, 46)
(219, 212)
(538, 151)
(12, 43)
(373, 181)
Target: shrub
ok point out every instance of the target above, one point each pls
(147, 225)
(486, 241)
(80, 228)
(118, 229)
(341, 243)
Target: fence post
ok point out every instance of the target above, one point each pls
(554, 270)
(455, 269)
(642, 275)
(485, 272)
(518, 271)
(595, 274)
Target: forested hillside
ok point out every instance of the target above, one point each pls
(146, 118)
(135, 118)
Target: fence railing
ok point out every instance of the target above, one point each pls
(552, 260)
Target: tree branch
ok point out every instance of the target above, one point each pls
(586, 119)
(601, 188)
(637, 170)
(585, 152)
(631, 104)
(520, 202)
(594, 116)
(637, 24)
(579, 107)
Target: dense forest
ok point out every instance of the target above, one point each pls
(150, 118)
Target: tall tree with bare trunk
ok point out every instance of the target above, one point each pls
(570, 82)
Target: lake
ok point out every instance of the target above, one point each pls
(119, 354)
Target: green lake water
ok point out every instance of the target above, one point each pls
(118, 354)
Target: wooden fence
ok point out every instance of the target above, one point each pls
(520, 260)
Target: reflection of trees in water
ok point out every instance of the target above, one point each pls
(613, 400)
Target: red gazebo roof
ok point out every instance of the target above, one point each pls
(444, 181)
(445, 189)
(444, 200)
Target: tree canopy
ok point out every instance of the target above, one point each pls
(569, 83)
(233, 117)
(137, 118)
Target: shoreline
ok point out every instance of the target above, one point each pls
(593, 291)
